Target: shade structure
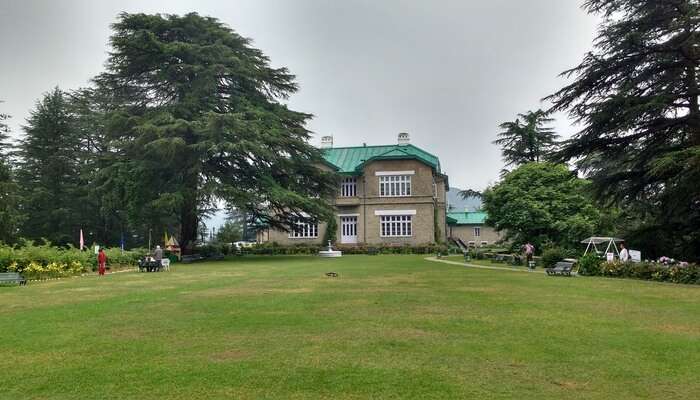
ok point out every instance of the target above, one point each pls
(596, 243)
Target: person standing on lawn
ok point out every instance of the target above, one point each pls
(158, 256)
(101, 262)
(624, 253)
(529, 253)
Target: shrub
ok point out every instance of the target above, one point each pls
(687, 274)
(311, 249)
(589, 265)
(552, 256)
(46, 261)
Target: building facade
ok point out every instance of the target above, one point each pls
(388, 195)
(470, 227)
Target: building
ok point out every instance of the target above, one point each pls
(470, 227)
(393, 194)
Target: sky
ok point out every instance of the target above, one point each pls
(448, 72)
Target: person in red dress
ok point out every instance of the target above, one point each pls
(101, 262)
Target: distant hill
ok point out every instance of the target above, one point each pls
(455, 202)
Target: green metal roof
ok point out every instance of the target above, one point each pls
(350, 160)
(466, 218)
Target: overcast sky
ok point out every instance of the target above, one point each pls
(447, 72)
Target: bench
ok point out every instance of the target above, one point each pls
(501, 258)
(191, 258)
(372, 251)
(561, 268)
(12, 277)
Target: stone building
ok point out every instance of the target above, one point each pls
(470, 227)
(390, 195)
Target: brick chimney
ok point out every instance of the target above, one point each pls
(327, 142)
(404, 139)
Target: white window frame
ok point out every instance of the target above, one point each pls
(477, 231)
(395, 186)
(348, 186)
(393, 226)
(484, 243)
(304, 230)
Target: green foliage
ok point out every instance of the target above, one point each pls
(636, 97)
(10, 215)
(589, 264)
(40, 261)
(331, 234)
(199, 114)
(48, 173)
(543, 203)
(689, 274)
(229, 232)
(306, 249)
(552, 256)
(527, 141)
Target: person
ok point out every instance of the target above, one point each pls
(624, 253)
(101, 262)
(158, 256)
(529, 253)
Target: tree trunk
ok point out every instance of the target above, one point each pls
(188, 223)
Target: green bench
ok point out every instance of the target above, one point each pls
(12, 277)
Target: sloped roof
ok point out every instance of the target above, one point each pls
(351, 159)
(466, 218)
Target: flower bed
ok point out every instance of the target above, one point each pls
(652, 271)
(45, 261)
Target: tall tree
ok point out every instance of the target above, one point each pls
(201, 117)
(636, 95)
(10, 216)
(543, 203)
(48, 172)
(529, 140)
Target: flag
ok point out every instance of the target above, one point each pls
(82, 241)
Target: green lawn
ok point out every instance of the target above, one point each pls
(390, 327)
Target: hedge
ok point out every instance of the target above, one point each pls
(46, 261)
(687, 274)
(274, 249)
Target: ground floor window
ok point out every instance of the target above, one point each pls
(304, 230)
(396, 226)
(477, 231)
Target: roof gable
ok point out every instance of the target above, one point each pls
(351, 159)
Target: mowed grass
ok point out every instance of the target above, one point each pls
(389, 327)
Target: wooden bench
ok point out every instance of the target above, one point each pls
(12, 277)
(561, 268)
(191, 258)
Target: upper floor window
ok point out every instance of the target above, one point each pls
(304, 230)
(394, 185)
(348, 187)
(477, 231)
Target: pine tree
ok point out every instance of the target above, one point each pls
(48, 172)
(636, 96)
(201, 117)
(10, 216)
(529, 140)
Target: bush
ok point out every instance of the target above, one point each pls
(46, 261)
(687, 274)
(552, 256)
(312, 249)
(589, 265)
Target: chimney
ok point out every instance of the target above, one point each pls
(327, 142)
(404, 139)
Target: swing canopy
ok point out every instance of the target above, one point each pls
(598, 243)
